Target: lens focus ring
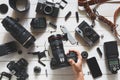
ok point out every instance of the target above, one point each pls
(48, 9)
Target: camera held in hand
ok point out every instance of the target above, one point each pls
(59, 59)
(48, 8)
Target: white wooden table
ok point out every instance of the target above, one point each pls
(66, 73)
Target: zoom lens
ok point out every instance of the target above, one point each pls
(18, 32)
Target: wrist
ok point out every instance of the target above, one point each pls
(80, 76)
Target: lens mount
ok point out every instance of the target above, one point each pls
(48, 9)
(88, 31)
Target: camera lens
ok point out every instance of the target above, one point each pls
(56, 45)
(84, 55)
(88, 31)
(18, 32)
(55, 41)
(3, 8)
(48, 9)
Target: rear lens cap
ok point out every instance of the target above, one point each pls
(3, 8)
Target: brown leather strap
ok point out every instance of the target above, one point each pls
(90, 12)
(116, 2)
(106, 21)
(91, 2)
(116, 14)
(92, 15)
(115, 18)
(110, 23)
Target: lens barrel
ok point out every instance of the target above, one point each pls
(48, 9)
(56, 45)
(18, 32)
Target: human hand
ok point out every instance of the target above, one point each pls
(77, 66)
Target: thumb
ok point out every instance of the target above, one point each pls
(72, 62)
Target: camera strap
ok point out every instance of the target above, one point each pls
(92, 2)
(93, 13)
(115, 19)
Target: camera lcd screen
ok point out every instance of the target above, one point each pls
(94, 67)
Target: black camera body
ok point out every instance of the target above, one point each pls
(87, 33)
(47, 8)
(59, 59)
(19, 69)
(38, 23)
(112, 56)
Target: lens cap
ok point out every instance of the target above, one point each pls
(3, 8)
(84, 55)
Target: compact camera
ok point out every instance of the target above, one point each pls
(59, 59)
(48, 8)
(87, 33)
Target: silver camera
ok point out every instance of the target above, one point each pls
(87, 33)
(47, 8)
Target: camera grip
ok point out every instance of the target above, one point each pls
(72, 55)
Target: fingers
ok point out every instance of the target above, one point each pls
(79, 61)
(78, 54)
(75, 66)
(72, 62)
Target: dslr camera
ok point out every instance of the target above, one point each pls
(59, 59)
(47, 8)
(19, 69)
(87, 33)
